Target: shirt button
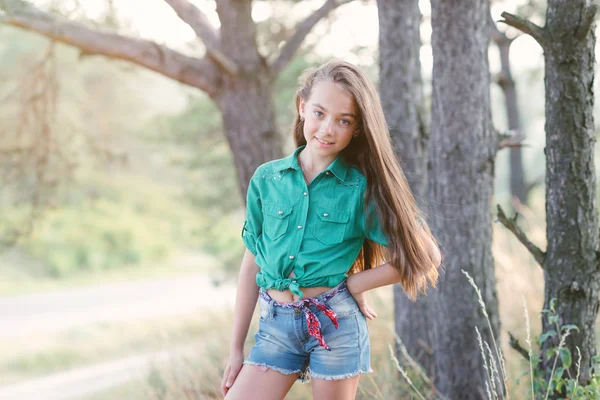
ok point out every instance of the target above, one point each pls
(299, 226)
(280, 212)
(326, 215)
(291, 257)
(306, 194)
(327, 173)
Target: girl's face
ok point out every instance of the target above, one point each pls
(330, 119)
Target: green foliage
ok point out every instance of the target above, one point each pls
(562, 384)
(122, 224)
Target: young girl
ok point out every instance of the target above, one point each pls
(316, 223)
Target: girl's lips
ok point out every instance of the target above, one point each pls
(322, 143)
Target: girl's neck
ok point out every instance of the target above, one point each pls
(312, 165)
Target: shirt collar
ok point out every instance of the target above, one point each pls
(338, 167)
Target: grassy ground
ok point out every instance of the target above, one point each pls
(197, 375)
(43, 354)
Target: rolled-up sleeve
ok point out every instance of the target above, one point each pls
(252, 228)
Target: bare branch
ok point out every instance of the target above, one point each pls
(202, 74)
(497, 36)
(588, 20)
(302, 29)
(538, 254)
(525, 26)
(511, 143)
(197, 20)
(514, 343)
(510, 139)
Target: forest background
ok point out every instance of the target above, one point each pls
(134, 180)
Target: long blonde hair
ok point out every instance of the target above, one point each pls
(371, 151)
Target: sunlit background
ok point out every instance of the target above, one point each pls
(119, 282)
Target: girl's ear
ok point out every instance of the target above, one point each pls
(301, 108)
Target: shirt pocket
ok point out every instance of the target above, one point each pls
(275, 219)
(331, 224)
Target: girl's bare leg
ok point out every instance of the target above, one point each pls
(254, 384)
(343, 389)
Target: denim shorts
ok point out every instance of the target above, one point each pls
(283, 342)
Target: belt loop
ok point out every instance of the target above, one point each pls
(271, 309)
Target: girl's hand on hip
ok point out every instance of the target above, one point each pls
(363, 305)
(232, 370)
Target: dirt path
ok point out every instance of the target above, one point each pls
(82, 382)
(54, 312)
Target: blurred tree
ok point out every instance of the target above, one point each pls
(506, 82)
(519, 188)
(401, 91)
(198, 127)
(571, 262)
(58, 118)
(234, 73)
(461, 153)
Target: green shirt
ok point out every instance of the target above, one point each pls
(316, 231)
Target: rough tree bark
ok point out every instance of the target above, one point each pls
(462, 151)
(233, 72)
(402, 100)
(571, 262)
(505, 80)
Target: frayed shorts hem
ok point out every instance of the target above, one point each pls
(302, 375)
(339, 377)
(305, 376)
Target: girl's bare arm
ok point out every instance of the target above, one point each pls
(245, 303)
(385, 274)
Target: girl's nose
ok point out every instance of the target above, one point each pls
(327, 125)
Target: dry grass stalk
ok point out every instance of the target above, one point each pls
(403, 372)
(493, 369)
(562, 343)
(484, 358)
(496, 347)
(530, 350)
(578, 370)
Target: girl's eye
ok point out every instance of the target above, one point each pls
(345, 122)
(318, 114)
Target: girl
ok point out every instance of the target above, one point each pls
(316, 223)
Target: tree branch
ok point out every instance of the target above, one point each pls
(514, 343)
(202, 74)
(302, 29)
(588, 20)
(525, 26)
(197, 20)
(497, 35)
(538, 254)
(510, 139)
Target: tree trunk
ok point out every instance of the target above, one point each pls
(507, 83)
(402, 100)
(462, 153)
(251, 131)
(247, 101)
(571, 266)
